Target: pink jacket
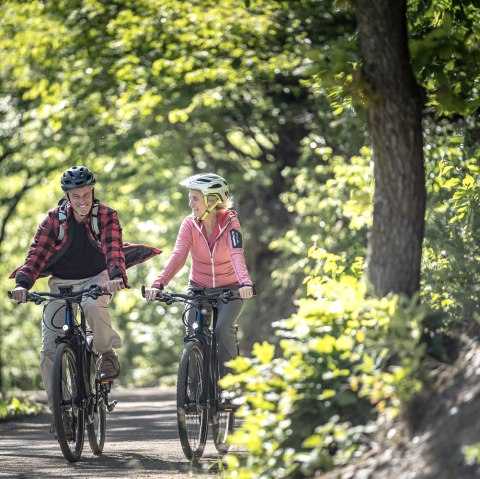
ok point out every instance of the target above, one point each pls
(217, 263)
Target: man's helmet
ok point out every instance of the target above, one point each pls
(76, 177)
(208, 184)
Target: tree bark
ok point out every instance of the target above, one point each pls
(395, 127)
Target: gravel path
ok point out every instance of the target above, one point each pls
(142, 442)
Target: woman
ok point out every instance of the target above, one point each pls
(213, 237)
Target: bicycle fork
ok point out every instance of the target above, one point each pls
(74, 342)
(100, 388)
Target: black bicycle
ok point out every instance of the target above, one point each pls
(199, 397)
(79, 397)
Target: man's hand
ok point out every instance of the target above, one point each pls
(20, 294)
(245, 292)
(114, 285)
(151, 294)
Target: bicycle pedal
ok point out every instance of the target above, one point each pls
(111, 406)
(227, 406)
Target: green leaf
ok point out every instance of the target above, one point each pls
(468, 181)
(451, 183)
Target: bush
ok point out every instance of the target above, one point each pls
(16, 407)
(345, 359)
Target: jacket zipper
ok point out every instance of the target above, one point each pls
(214, 246)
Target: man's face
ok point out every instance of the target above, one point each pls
(81, 199)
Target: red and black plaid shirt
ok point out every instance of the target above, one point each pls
(45, 249)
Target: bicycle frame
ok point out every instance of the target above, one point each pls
(79, 398)
(79, 341)
(206, 336)
(198, 392)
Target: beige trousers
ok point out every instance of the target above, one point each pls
(96, 314)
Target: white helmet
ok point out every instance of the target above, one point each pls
(208, 184)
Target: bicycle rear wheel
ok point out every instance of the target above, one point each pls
(68, 417)
(222, 426)
(97, 410)
(223, 420)
(192, 416)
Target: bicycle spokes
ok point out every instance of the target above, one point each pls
(68, 382)
(192, 415)
(69, 417)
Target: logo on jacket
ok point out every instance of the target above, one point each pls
(236, 237)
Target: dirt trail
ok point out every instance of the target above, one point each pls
(142, 442)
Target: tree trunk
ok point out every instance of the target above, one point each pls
(395, 127)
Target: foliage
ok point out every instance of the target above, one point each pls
(331, 202)
(445, 48)
(10, 408)
(451, 250)
(346, 358)
(94, 83)
(149, 92)
(472, 454)
(146, 94)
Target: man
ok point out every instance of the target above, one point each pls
(79, 243)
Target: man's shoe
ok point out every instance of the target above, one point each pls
(67, 427)
(109, 366)
(191, 403)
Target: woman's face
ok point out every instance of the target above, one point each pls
(197, 203)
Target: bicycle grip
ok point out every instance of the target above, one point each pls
(10, 295)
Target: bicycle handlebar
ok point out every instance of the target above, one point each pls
(199, 295)
(93, 292)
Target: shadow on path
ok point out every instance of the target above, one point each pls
(142, 442)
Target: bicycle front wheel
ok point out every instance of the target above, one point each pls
(192, 415)
(97, 409)
(68, 417)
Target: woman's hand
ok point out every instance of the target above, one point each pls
(245, 292)
(151, 294)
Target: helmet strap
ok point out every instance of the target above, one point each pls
(209, 207)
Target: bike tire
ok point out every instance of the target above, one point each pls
(97, 409)
(192, 416)
(223, 421)
(68, 417)
(222, 427)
